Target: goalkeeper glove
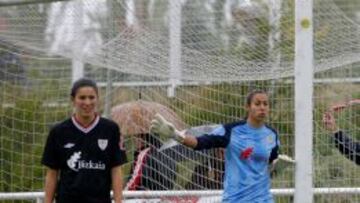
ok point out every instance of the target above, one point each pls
(159, 125)
(283, 161)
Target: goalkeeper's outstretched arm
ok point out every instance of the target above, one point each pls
(166, 129)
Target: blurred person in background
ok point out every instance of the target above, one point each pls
(209, 173)
(347, 146)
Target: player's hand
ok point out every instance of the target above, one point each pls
(283, 161)
(339, 107)
(329, 122)
(159, 125)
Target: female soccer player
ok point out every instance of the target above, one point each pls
(83, 154)
(250, 145)
(346, 146)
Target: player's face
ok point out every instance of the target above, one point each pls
(258, 109)
(85, 101)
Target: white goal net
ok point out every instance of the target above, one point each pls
(194, 61)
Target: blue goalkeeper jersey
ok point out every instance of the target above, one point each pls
(248, 153)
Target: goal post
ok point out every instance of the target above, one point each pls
(304, 70)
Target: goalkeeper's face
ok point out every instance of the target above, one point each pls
(85, 101)
(258, 109)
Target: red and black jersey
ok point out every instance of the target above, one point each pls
(84, 156)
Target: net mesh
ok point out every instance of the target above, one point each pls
(197, 59)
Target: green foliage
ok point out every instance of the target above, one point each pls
(258, 48)
(24, 128)
(225, 105)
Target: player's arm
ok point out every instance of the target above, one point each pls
(278, 162)
(118, 157)
(51, 160)
(276, 148)
(347, 146)
(328, 117)
(166, 129)
(50, 184)
(274, 154)
(116, 179)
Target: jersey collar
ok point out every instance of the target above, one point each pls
(85, 129)
(255, 128)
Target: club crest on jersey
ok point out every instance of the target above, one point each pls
(102, 143)
(270, 139)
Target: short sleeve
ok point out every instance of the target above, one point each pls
(50, 156)
(118, 154)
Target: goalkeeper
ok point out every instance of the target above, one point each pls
(348, 147)
(250, 145)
